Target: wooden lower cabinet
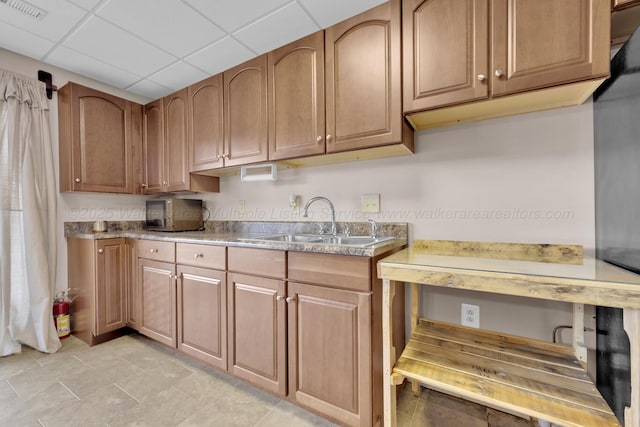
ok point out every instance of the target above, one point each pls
(97, 279)
(202, 321)
(257, 331)
(329, 333)
(158, 300)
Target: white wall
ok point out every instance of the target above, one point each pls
(527, 178)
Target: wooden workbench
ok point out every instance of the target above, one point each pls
(523, 376)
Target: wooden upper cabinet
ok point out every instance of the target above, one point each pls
(296, 99)
(548, 42)
(96, 141)
(363, 98)
(153, 125)
(205, 125)
(175, 124)
(445, 52)
(245, 112)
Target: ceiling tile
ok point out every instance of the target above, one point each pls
(23, 42)
(178, 75)
(61, 17)
(232, 15)
(168, 24)
(85, 4)
(329, 12)
(220, 56)
(77, 62)
(150, 89)
(115, 46)
(283, 26)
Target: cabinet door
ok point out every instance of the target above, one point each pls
(257, 340)
(206, 141)
(548, 42)
(330, 352)
(176, 169)
(202, 314)
(445, 52)
(245, 102)
(296, 99)
(111, 300)
(153, 125)
(99, 127)
(363, 80)
(158, 301)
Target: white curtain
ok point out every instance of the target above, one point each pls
(27, 217)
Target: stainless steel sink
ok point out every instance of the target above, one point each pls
(358, 241)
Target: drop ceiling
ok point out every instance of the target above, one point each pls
(155, 47)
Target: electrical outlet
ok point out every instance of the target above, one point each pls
(370, 203)
(470, 315)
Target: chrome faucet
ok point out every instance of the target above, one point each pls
(334, 229)
(374, 228)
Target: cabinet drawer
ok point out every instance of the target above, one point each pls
(159, 251)
(258, 262)
(341, 271)
(201, 255)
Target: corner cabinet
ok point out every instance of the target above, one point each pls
(100, 136)
(166, 153)
(97, 279)
(363, 80)
(458, 53)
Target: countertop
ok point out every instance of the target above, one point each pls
(217, 237)
(591, 282)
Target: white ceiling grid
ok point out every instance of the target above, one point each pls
(155, 47)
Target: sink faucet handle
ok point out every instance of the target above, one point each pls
(347, 230)
(320, 229)
(374, 228)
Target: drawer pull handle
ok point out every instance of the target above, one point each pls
(450, 283)
(199, 255)
(290, 299)
(153, 250)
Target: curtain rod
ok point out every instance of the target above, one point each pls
(45, 77)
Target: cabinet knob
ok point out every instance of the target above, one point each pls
(279, 297)
(329, 138)
(499, 73)
(100, 250)
(143, 185)
(77, 180)
(290, 299)
(165, 183)
(319, 139)
(482, 77)
(199, 255)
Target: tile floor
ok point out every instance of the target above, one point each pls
(133, 381)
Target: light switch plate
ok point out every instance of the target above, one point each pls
(370, 203)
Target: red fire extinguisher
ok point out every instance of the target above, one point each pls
(61, 314)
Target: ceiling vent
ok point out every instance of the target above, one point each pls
(26, 8)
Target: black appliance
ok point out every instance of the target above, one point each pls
(617, 198)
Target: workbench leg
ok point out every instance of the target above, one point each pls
(631, 319)
(388, 354)
(415, 313)
(579, 347)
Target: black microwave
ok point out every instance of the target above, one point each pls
(174, 215)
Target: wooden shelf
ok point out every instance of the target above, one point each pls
(515, 374)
